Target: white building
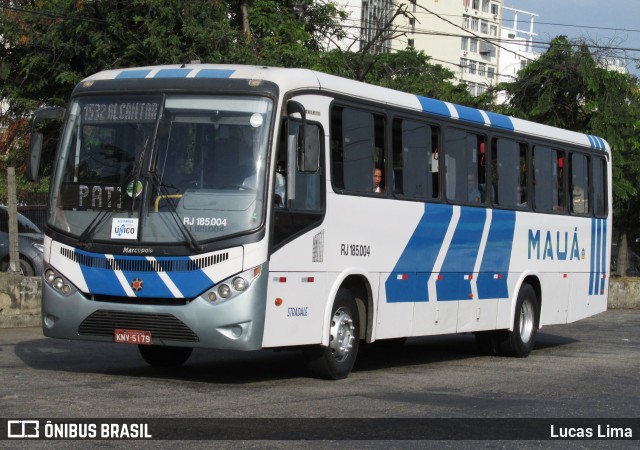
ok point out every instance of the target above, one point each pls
(458, 34)
(516, 45)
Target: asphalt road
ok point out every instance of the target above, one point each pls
(588, 369)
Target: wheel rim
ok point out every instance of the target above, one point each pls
(526, 320)
(342, 335)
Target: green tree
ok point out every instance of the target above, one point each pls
(48, 46)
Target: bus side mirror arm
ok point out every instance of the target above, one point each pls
(308, 142)
(35, 147)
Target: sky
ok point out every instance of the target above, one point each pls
(606, 23)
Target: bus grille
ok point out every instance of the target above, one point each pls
(162, 326)
(142, 264)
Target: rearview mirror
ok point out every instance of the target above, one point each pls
(35, 148)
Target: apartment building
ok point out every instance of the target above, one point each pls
(461, 35)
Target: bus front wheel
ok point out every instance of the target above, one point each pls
(335, 361)
(160, 356)
(521, 340)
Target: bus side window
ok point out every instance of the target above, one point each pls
(599, 187)
(415, 163)
(465, 167)
(548, 179)
(579, 179)
(509, 169)
(357, 148)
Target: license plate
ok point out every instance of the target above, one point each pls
(132, 337)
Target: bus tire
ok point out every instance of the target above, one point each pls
(161, 356)
(521, 340)
(335, 361)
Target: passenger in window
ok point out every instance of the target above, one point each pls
(521, 197)
(473, 189)
(377, 181)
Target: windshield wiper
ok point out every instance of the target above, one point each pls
(188, 235)
(90, 231)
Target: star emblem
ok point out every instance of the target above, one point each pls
(137, 284)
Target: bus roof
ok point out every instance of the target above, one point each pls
(302, 79)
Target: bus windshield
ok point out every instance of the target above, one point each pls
(161, 169)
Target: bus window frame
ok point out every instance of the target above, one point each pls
(385, 115)
(390, 155)
(486, 203)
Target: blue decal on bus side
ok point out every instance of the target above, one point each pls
(172, 73)
(132, 74)
(433, 106)
(492, 279)
(408, 281)
(214, 73)
(603, 264)
(470, 114)
(500, 121)
(596, 142)
(598, 257)
(457, 268)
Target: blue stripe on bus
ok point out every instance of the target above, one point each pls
(433, 106)
(192, 283)
(214, 73)
(461, 256)
(132, 74)
(603, 264)
(103, 280)
(492, 279)
(500, 121)
(598, 258)
(470, 114)
(172, 73)
(99, 280)
(591, 256)
(596, 142)
(419, 256)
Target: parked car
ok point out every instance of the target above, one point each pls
(30, 244)
(633, 269)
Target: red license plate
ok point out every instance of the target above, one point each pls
(132, 336)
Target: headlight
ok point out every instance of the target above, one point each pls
(224, 291)
(239, 284)
(58, 282)
(233, 286)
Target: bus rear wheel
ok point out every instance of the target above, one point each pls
(161, 356)
(521, 340)
(335, 361)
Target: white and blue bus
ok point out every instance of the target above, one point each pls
(240, 207)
